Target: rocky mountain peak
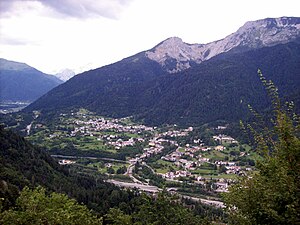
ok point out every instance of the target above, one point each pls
(268, 32)
(269, 23)
(175, 55)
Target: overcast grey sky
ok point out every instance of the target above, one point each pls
(51, 35)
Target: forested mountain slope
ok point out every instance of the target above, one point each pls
(219, 88)
(23, 164)
(112, 90)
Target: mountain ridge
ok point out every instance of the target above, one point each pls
(174, 55)
(221, 88)
(21, 82)
(142, 87)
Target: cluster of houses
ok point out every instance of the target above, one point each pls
(224, 139)
(178, 157)
(185, 158)
(92, 127)
(155, 146)
(66, 162)
(178, 133)
(177, 174)
(101, 124)
(119, 143)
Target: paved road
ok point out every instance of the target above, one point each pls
(206, 201)
(154, 189)
(138, 184)
(86, 157)
(129, 173)
(143, 187)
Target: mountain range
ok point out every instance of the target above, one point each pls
(182, 83)
(174, 55)
(22, 83)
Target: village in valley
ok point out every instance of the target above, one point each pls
(120, 148)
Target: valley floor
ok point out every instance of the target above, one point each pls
(148, 158)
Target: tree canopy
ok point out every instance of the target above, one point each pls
(271, 195)
(36, 207)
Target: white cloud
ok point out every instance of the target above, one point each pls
(68, 8)
(55, 34)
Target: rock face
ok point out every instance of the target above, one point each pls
(174, 55)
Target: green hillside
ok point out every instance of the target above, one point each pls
(220, 88)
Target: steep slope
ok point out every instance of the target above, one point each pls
(112, 90)
(20, 82)
(174, 55)
(23, 164)
(219, 87)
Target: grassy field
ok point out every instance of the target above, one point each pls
(225, 176)
(162, 166)
(204, 171)
(102, 166)
(162, 170)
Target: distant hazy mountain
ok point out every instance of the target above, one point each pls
(65, 74)
(20, 82)
(208, 82)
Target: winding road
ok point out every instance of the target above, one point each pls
(140, 185)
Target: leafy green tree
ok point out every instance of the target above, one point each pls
(36, 207)
(110, 170)
(115, 216)
(222, 169)
(164, 210)
(121, 170)
(271, 196)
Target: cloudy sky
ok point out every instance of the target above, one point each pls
(51, 35)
